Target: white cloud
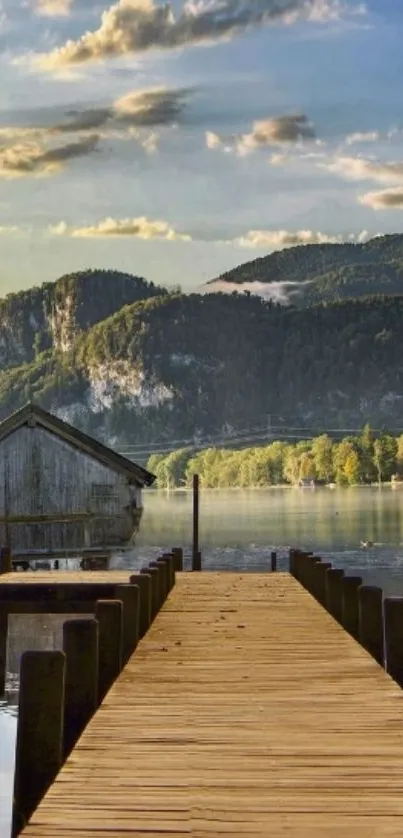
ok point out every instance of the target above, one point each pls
(135, 26)
(53, 8)
(359, 168)
(21, 160)
(140, 228)
(386, 199)
(363, 137)
(277, 239)
(213, 141)
(287, 130)
(131, 117)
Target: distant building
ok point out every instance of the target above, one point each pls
(62, 491)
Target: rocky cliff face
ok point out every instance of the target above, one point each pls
(52, 316)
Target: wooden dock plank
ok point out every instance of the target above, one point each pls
(58, 577)
(245, 711)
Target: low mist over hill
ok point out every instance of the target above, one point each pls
(309, 274)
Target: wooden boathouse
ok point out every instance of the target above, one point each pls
(61, 491)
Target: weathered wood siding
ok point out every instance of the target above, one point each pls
(41, 474)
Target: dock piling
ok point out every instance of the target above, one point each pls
(129, 595)
(334, 591)
(197, 562)
(168, 557)
(109, 614)
(80, 645)
(3, 645)
(370, 609)
(393, 610)
(195, 540)
(154, 575)
(177, 553)
(166, 576)
(320, 571)
(38, 754)
(143, 581)
(161, 582)
(349, 607)
(273, 561)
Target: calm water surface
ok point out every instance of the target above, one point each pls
(238, 529)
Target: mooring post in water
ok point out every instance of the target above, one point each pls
(370, 608)
(273, 561)
(197, 561)
(109, 614)
(334, 590)
(177, 553)
(143, 581)
(349, 606)
(195, 545)
(39, 747)
(80, 645)
(129, 595)
(393, 609)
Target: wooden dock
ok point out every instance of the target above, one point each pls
(246, 710)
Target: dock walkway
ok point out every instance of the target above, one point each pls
(246, 710)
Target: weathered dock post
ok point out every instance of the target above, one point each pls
(143, 581)
(349, 606)
(80, 645)
(197, 562)
(166, 582)
(39, 746)
(109, 614)
(3, 645)
(320, 571)
(161, 576)
(195, 541)
(393, 609)
(334, 591)
(310, 576)
(303, 562)
(273, 561)
(6, 564)
(177, 553)
(129, 595)
(154, 575)
(371, 634)
(169, 559)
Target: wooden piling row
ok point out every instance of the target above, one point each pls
(60, 691)
(375, 623)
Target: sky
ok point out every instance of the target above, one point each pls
(178, 140)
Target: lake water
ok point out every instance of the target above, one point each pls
(238, 530)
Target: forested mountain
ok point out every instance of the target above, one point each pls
(178, 366)
(52, 315)
(131, 362)
(309, 274)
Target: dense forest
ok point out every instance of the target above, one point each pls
(137, 364)
(182, 366)
(355, 459)
(310, 274)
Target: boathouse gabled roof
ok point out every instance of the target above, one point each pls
(31, 415)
